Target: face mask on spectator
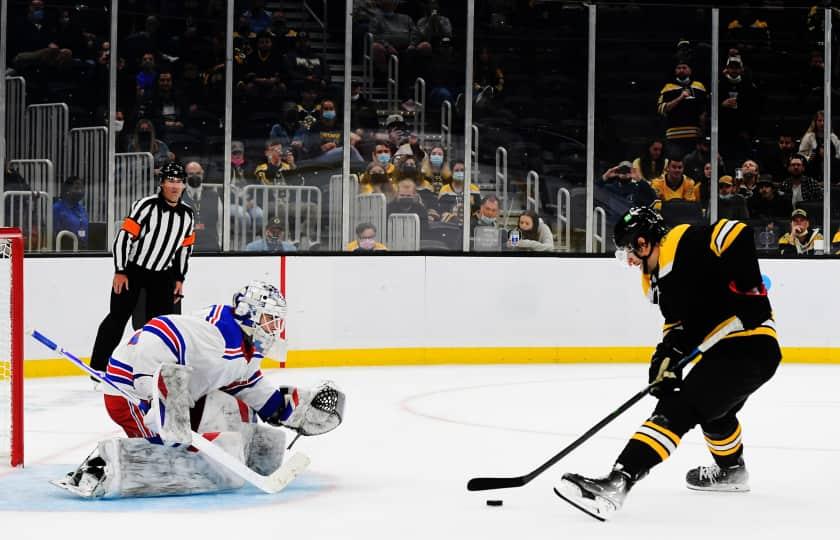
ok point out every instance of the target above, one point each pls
(379, 178)
(118, 125)
(37, 16)
(367, 243)
(328, 115)
(144, 138)
(194, 180)
(458, 176)
(436, 159)
(484, 220)
(384, 158)
(355, 97)
(237, 161)
(735, 79)
(273, 243)
(410, 170)
(75, 196)
(683, 80)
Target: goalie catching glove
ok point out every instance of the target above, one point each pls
(309, 412)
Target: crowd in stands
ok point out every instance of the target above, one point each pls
(288, 116)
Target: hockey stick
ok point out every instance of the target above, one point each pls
(481, 484)
(272, 483)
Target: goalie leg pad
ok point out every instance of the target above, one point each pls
(169, 412)
(137, 468)
(264, 448)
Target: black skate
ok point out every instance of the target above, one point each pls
(715, 478)
(598, 497)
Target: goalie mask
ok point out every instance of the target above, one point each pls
(260, 310)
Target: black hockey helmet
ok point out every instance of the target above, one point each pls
(172, 169)
(638, 222)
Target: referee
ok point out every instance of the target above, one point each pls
(151, 252)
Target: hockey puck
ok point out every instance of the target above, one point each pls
(494, 502)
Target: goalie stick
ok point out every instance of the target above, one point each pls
(272, 483)
(485, 483)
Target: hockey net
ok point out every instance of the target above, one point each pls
(11, 346)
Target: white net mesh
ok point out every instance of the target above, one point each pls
(5, 347)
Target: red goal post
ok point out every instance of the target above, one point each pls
(11, 345)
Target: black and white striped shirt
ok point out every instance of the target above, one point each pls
(155, 236)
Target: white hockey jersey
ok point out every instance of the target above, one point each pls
(208, 341)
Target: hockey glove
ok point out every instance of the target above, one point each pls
(664, 371)
(752, 306)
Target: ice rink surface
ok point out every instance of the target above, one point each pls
(412, 437)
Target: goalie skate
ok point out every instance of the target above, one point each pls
(715, 478)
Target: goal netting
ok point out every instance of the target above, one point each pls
(11, 346)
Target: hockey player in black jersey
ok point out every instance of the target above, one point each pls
(702, 277)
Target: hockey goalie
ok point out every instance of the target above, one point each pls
(200, 373)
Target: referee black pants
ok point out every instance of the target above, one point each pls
(159, 300)
(711, 395)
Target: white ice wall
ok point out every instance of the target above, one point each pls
(431, 302)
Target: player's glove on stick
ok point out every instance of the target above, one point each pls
(663, 366)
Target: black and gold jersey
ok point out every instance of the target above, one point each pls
(700, 273)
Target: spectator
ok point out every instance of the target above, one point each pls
(653, 162)
(273, 239)
(797, 187)
(69, 213)
(675, 185)
(835, 242)
(365, 241)
(259, 19)
(145, 140)
(305, 66)
(392, 32)
(376, 180)
(270, 172)
(683, 104)
(487, 214)
(451, 199)
(812, 147)
(167, 108)
(207, 209)
(489, 79)
(628, 188)
(265, 77)
(801, 240)
(534, 234)
(289, 131)
(739, 109)
(146, 78)
(324, 142)
(695, 161)
(749, 178)
(434, 28)
(776, 160)
(434, 170)
(244, 210)
(766, 204)
(731, 205)
(408, 202)
(456, 185)
(32, 32)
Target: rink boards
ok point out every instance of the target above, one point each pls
(407, 310)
